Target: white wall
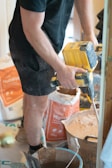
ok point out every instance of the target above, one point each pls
(6, 11)
(98, 6)
(3, 27)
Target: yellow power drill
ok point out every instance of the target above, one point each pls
(81, 54)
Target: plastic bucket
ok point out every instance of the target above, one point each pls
(88, 144)
(59, 157)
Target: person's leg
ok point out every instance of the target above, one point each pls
(34, 108)
(35, 76)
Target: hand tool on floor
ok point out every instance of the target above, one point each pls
(81, 54)
(31, 161)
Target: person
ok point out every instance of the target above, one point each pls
(36, 36)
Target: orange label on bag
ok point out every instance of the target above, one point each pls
(54, 128)
(10, 86)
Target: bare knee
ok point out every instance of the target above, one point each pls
(35, 103)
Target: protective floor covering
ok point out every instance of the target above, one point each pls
(12, 155)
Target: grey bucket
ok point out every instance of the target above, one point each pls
(88, 145)
(58, 156)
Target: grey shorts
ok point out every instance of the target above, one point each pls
(35, 74)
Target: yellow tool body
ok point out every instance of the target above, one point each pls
(85, 83)
(81, 54)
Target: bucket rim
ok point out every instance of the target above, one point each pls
(74, 153)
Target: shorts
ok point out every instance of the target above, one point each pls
(35, 74)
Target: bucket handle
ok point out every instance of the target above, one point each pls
(92, 137)
(74, 155)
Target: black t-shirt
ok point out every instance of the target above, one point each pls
(57, 13)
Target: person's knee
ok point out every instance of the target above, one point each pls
(35, 103)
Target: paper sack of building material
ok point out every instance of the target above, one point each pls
(10, 90)
(62, 103)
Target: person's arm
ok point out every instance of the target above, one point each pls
(32, 23)
(85, 12)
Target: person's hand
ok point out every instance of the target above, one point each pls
(66, 76)
(91, 38)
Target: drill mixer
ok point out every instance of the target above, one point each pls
(81, 54)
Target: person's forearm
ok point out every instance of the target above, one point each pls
(32, 23)
(85, 12)
(43, 47)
